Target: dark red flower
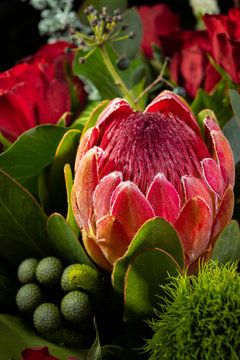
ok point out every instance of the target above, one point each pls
(36, 91)
(188, 50)
(38, 353)
(224, 34)
(157, 21)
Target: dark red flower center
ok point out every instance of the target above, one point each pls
(144, 144)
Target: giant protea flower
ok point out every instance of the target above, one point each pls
(134, 166)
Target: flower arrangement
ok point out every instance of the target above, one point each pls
(119, 185)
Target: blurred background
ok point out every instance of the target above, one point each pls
(19, 26)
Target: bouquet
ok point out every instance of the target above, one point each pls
(119, 186)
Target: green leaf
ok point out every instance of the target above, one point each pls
(96, 71)
(69, 183)
(220, 106)
(232, 132)
(149, 270)
(227, 247)
(16, 335)
(99, 4)
(81, 121)
(55, 182)
(201, 116)
(129, 47)
(65, 242)
(30, 154)
(5, 142)
(154, 233)
(94, 116)
(23, 223)
(235, 101)
(95, 352)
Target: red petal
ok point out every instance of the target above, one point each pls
(225, 212)
(221, 150)
(130, 207)
(86, 180)
(164, 198)
(195, 187)
(115, 108)
(103, 193)
(167, 102)
(194, 226)
(95, 252)
(212, 175)
(89, 140)
(112, 238)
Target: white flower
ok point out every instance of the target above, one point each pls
(201, 7)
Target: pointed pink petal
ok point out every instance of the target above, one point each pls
(130, 207)
(117, 107)
(89, 140)
(95, 252)
(225, 212)
(163, 198)
(112, 238)
(195, 187)
(213, 176)
(221, 150)
(167, 102)
(103, 193)
(86, 180)
(194, 226)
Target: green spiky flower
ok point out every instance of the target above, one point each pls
(200, 319)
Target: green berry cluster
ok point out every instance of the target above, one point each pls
(58, 308)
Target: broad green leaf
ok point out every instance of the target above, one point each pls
(17, 334)
(232, 132)
(5, 142)
(220, 106)
(102, 79)
(30, 154)
(65, 154)
(235, 101)
(69, 183)
(227, 247)
(99, 4)
(129, 47)
(96, 71)
(23, 223)
(65, 242)
(154, 233)
(81, 121)
(94, 116)
(147, 272)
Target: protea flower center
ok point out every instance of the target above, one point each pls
(144, 144)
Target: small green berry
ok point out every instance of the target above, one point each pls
(49, 271)
(76, 307)
(26, 270)
(28, 297)
(65, 284)
(123, 63)
(47, 318)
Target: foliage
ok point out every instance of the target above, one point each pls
(200, 317)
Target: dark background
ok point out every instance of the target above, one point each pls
(19, 31)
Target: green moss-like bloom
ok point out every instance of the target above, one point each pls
(200, 318)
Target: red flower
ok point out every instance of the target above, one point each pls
(39, 353)
(224, 34)
(36, 91)
(133, 166)
(188, 50)
(157, 20)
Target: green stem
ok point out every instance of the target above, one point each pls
(117, 78)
